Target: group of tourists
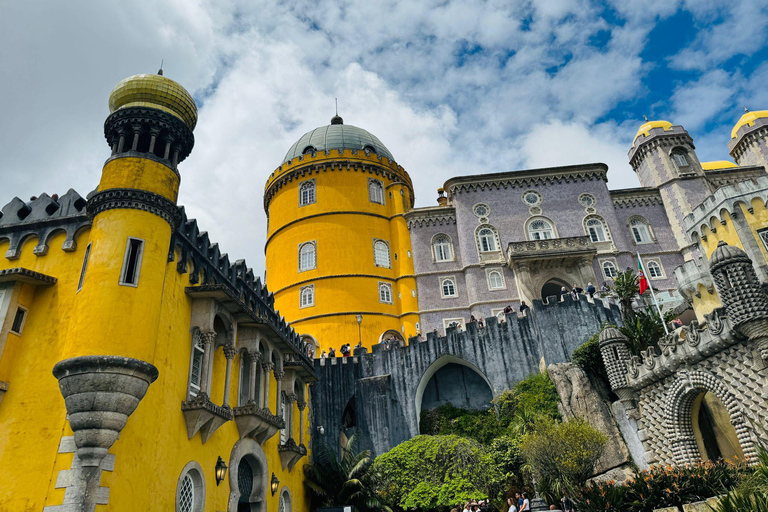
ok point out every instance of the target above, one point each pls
(520, 503)
(345, 350)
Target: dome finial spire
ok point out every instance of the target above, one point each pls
(337, 119)
(645, 117)
(160, 71)
(746, 110)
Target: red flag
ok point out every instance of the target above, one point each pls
(643, 282)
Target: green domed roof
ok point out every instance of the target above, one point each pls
(337, 135)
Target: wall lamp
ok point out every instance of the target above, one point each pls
(221, 470)
(321, 430)
(274, 484)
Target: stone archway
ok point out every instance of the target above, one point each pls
(477, 385)
(553, 287)
(248, 455)
(393, 337)
(682, 396)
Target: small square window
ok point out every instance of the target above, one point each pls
(18, 320)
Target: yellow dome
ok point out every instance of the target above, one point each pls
(748, 118)
(717, 164)
(646, 128)
(154, 91)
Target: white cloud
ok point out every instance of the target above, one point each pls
(695, 103)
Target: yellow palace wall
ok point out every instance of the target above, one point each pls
(343, 223)
(150, 322)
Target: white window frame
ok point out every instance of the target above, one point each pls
(448, 321)
(680, 153)
(539, 198)
(633, 222)
(313, 244)
(194, 472)
(646, 264)
(388, 287)
(587, 196)
(310, 288)
(388, 263)
(442, 289)
(449, 247)
(23, 320)
(494, 239)
(615, 268)
(529, 233)
(498, 313)
(302, 185)
(488, 273)
(139, 257)
(194, 389)
(374, 188)
(487, 210)
(603, 225)
(763, 235)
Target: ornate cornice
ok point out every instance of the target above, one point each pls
(334, 276)
(128, 198)
(124, 119)
(431, 216)
(526, 178)
(633, 197)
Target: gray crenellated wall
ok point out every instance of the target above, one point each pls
(388, 384)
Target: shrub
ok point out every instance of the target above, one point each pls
(536, 393)
(482, 426)
(588, 358)
(752, 493)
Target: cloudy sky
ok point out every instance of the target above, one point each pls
(450, 87)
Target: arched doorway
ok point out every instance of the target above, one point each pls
(713, 430)
(453, 380)
(552, 287)
(392, 338)
(247, 477)
(348, 422)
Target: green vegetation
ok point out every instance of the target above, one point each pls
(436, 473)
(752, 493)
(562, 456)
(588, 358)
(350, 480)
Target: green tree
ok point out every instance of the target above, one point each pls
(645, 329)
(562, 456)
(347, 480)
(589, 358)
(436, 473)
(626, 287)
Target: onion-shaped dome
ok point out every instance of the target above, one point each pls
(717, 164)
(155, 91)
(337, 135)
(749, 119)
(609, 335)
(726, 254)
(646, 128)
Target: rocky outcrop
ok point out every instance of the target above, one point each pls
(579, 398)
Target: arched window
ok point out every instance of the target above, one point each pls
(448, 287)
(609, 269)
(285, 502)
(381, 254)
(196, 365)
(375, 191)
(245, 379)
(307, 296)
(442, 248)
(680, 158)
(190, 489)
(385, 293)
(540, 229)
(495, 280)
(486, 239)
(640, 231)
(370, 149)
(596, 229)
(654, 270)
(307, 256)
(308, 150)
(284, 431)
(307, 193)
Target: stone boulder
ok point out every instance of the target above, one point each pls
(580, 399)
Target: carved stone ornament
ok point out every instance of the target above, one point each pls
(127, 198)
(290, 453)
(200, 414)
(257, 422)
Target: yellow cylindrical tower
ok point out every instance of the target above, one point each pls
(134, 214)
(338, 250)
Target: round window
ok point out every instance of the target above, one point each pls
(587, 200)
(532, 198)
(482, 210)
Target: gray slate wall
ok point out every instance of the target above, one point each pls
(385, 384)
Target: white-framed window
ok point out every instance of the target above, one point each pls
(654, 269)
(495, 279)
(385, 293)
(196, 365)
(375, 191)
(531, 198)
(381, 254)
(307, 193)
(487, 239)
(540, 229)
(19, 319)
(587, 200)
(680, 158)
(307, 296)
(190, 489)
(609, 269)
(596, 229)
(442, 248)
(481, 210)
(498, 313)
(453, 322)
(307, 256)
(448, 287)
(134, 251)
(641, 232)
(84, 267)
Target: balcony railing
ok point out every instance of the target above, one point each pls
(554, 247)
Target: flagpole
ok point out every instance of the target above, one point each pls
(653, 295)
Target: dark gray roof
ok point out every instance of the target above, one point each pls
(337, 136)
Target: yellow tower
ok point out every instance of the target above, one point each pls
(338, 250)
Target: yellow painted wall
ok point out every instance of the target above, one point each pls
(150, 322)
(344, 223)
